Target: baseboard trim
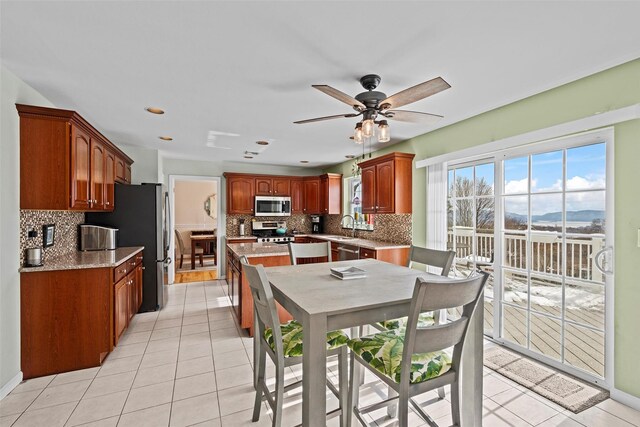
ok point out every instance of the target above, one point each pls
(626, 398)
(9, 386)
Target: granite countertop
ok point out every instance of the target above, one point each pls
(241, 237)
(260, 249)
(363, 243)
(251, 249)
(91, 259)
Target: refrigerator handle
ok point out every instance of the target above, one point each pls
(167, 260)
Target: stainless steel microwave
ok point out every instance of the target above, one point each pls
(273, 206)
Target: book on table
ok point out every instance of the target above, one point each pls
(346, 273)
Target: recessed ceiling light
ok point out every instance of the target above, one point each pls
(262, 142)
(304, 161)
(155, 110)
(350, 156)
(166, 138)
(248, 157)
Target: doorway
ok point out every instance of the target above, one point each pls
(195, 228)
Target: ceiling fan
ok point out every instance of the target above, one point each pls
(371, 104)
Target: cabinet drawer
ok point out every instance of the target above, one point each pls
(367, 253)
(120, 271)
(131, 263)
(139, 258)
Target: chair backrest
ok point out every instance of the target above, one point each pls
(309, 250)
(179, 242)
(432, 258)
(441, 295)
(264, 306)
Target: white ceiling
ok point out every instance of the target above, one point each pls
(246, 68)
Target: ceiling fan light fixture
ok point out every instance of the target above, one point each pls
(383, 132)
(367, 127)
(357, 134)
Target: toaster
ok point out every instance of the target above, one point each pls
(97, 238)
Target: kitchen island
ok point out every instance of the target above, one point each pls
(74, 308)
(273, 255)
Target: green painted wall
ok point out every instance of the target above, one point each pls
(609, 90)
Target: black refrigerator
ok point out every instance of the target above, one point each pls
(141, 215)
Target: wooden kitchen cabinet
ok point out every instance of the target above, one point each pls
(121, 308)
(80, 169)
(97, 174)
(65, 163)
(387, 184)
(240, 193)
(109, 180)
(399, 256)
(331, 194)
(281, 187)
(312, 196)
(123, 171)
(297, 196)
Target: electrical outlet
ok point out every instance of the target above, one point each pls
(34, 233)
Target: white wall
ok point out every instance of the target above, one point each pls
(12, 91)
(145, 163)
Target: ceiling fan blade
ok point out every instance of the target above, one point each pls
(414, 93)
(340, 96)
(412, 116)
(319, 119)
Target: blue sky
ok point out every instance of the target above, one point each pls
(586, 167)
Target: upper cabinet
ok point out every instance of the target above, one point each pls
(276, 186)
(331, 194)
(240, 192)
(386, 184)
(309, 195)
(65, 163)
(297, 196)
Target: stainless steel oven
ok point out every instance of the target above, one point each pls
(273, 206)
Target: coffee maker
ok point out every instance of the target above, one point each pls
(317, 224)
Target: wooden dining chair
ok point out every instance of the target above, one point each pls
(299, 251)
(283, 344)
(422, 358)
(182, 250)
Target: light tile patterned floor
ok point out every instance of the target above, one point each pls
(189, 365)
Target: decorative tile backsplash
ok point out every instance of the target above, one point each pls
(394, 228)
(387, 228)
(301, 223)
(66, 232)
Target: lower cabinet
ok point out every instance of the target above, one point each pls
(127, 296)
(121, 308)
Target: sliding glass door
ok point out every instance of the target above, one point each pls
(554, 216)
(536, 219)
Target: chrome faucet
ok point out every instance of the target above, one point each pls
(353, 224)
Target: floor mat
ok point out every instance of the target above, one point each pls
(563, 389)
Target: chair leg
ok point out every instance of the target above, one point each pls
(181, 259)
(354, 388)
(441, 393)
(403, 407)
(344, 386)
(455, 403)
(201, 260)
(259, 365)
(392, 409)
(279, 395)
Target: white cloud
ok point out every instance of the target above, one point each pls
(518, 186)
(584, 183)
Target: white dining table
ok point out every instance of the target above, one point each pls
(324, 303)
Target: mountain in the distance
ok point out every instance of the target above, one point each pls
(581, 216)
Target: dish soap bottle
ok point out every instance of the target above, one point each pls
(242, 228)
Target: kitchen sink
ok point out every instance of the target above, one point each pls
(342, 238)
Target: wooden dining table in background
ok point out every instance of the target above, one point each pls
(200, 238)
